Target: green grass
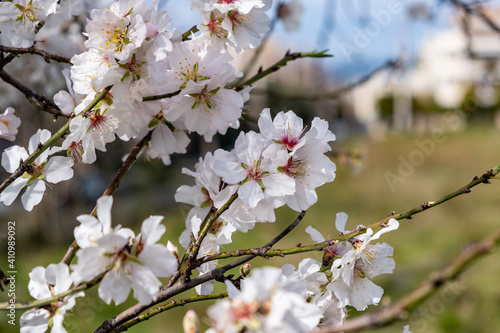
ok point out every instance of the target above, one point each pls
(422, 245)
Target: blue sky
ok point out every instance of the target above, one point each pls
(361, 34)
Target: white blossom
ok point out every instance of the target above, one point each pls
(21, 19)
(45, 283)
(127, 262)
(43, 170)
(268, 302)
(354, 271)
(9, 124)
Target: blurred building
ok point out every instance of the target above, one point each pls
(457, 69)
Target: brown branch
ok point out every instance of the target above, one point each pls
(168, 306)
(400, 310)
(38, 100)
(32, 50)
(111, 325)
(113, 185)
(6, 59)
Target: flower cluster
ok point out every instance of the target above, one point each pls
(290, 300)
(130, 49)
(138, 76)
(116, 256)
(283, 164)
(268, 301)
(356, 263)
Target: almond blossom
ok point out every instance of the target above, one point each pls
(354, 271)
(127, 261)
(9, 124)
(268, 302)
(45, 283)
(42, 171)
(299, 154)
(259, 176)
(317, 292)
(204, 105)
(92, 131)
(239, 24)
(21, 18)
(115, 34)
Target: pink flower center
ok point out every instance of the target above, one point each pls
(100, 122)
(254, 172)
(292, 168)
(288, 140)
(215, 28)
(236, 18)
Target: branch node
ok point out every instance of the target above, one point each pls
(466, 190)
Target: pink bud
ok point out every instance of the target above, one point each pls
(190, 323)
(172, 248)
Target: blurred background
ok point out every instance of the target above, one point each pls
(412, 94)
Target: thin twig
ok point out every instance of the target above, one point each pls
(41, 102)
(390, 64)
(6, 306)
(400, 310)
(281, 63)
(173, 304)
(47, 56)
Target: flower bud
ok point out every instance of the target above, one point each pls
(190, 323)
(245, 270)
(172, 248)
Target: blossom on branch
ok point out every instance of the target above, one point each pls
(354, 271)
(268, 302)
(42, 171)
(45, 283)
(127, 261)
